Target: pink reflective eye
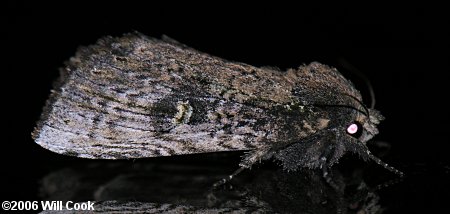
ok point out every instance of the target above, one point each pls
(352, 129)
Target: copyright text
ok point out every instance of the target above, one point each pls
(47, 205)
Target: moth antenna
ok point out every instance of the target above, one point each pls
(342, 106)
(361, 104)
(344, 63)
(384, 165)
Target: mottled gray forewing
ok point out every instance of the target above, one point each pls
(134, 97)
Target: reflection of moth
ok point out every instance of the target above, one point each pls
(267, 190)
(135, 97)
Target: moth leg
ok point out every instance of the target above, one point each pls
(340, 205)
(227, 179)
(249, 159)
(326, 174)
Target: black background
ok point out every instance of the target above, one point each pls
(402, 50)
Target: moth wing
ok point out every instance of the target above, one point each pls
(121, 98)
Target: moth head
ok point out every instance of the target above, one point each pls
(361, 129)
(364, 126)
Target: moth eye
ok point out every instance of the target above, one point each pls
(355, 129)
(352, 129)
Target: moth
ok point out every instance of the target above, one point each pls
(137, 97)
